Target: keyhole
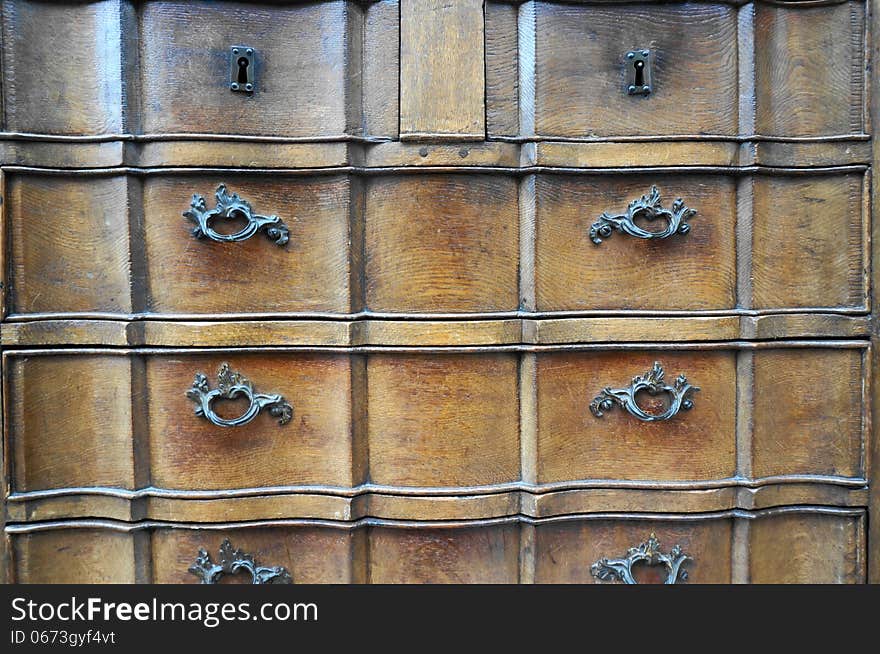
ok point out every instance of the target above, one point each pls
(243, 64)
(640, 73)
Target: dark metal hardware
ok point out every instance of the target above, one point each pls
(242, 77)
(638, 72)
(232, 206)
(647, 552)
(652, 382)
(232, 561)
(647, 207)
(229, 386)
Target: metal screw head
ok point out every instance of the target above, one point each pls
(646, 89)
(234, 50)
(248, 87)
(423, 152)
(233, 86)
(645, 53)
(630, 55)
(250, 51)
(632, 89)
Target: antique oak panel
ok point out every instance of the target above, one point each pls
(313, 448)
(312, 555)
(580, 57)
(487, 555)
(62, 67)
(446, 420)
(441, 243)
(69, 421)
(442, 70)
(74, 556)
(810, 69)
(300, 91)
(810, 412)
(692, 271)
(69, 244)
(574, 444)
(808, 549)
(565, 551)
(809, 241)
(309, 273)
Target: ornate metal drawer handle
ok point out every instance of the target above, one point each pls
(231, 206)
(229, 386)
(651, 381)
(232, 561)
(647, 207)
(647, 552)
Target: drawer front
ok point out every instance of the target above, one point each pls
(787, 545)
(435, 243)
(580, 60)
(714, 69)
(87, 262)
(75, 421)
(300, 91)
(802, 244)
(428, 420)
(759, 413)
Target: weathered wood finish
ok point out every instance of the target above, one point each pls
(435, 243)
(580, 57)
(300, 91)
(818, 546)
(74, 89)
(442, 70)
(440, 319)
(439, 418)
(310, 273)
(441, 244)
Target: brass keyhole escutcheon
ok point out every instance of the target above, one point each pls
(242, 77)
(638, 72)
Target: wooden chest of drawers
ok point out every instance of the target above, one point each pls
(417, 291)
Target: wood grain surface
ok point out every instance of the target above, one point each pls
(300, 91)
(314, 448)
(310, 273)
(580, 59)
(790, 545)
(445, 243)
(443, 421)
(694, 271)
(62, 67)
(442, 70)
(810, 69)
(69, 244)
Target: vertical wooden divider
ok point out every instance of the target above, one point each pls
(442, 70)
(873, 453)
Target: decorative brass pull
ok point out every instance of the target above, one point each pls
(229, 386)
(652, 381)
(232, 561)
(649, 208)
(647, 552)
(232, 206)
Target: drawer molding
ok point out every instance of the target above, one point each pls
(652, 382)
(232, 561)
(647, 552)
(230, 206)
(649, 207)
(231, 385)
